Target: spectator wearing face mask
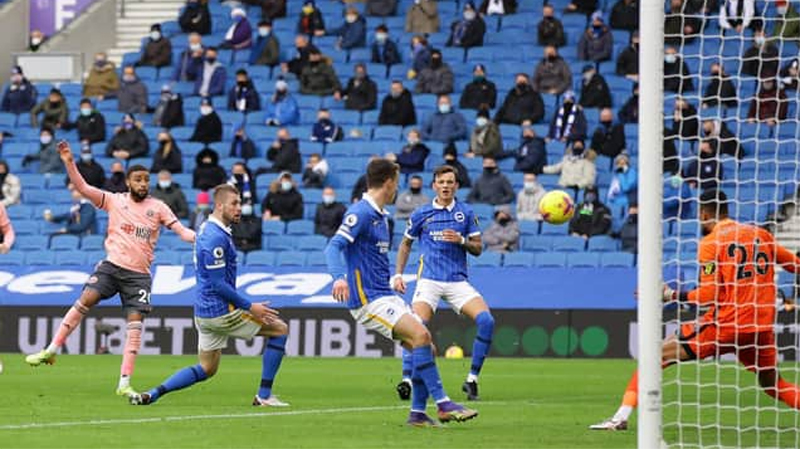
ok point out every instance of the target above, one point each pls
(132, 95)
(552, 74)
(568, 123)
(550, 30)
(329, 214)
(129, 140)
(623, 187)
(480, 91)
(201, 212)
(592, 216)
(492, 187)
(411, 158)
(422, 17)
(266, 49)
(384, 49)
(445, 125)
(677, 77)
(273, 9)
(628, 59)
(303, 48)
(195, 18)
(705, 170)
(311, 21)
(685, 121)
(208, 128)
(239, 35)
(597, 42)
(316, 172)
(361, 93)
(211, 78)
(81, 218)
(10, 186)
(680, 22)
(157, 51)
(498, 7)
(522, 103)
(581, 7)
(54, 110)
(242, 146)
(90, 123)
(629, 231)
(20, 95)
(625, 15)
(724, 140)
(576, 169)
(171, 194)
(467, 32)
(410, 199)
(283, 201)
(629, 112)
(736, 15)
(35, 41)
(246, 233)
(770, 104)
(761, 58)
(786, 24)
(319, 77)
(325, 130)
(207, 173)
(47, 156)
(531, 156)
(720, 90)
(502, 236)
(609, 137)
(116, 182)
(485, 139)
(353, 32)
(243, 97)
(168, 156)
(284, 154)
(282, 109)
(421, 54)
(243, 180)
(594, 89)
(102, 80)
(91, 171)
(190, 63)
(381, 8)
(397, 107)
(528, 199)
(450, 155)
(437, 78)
(168, 112)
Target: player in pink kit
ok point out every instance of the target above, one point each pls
(134, 222)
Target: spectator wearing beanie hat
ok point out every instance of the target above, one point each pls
(20, 95)
(157, 51)
(201, 211)
(282, 110)
(480, 91)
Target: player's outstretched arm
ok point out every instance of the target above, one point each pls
(89, 192)
(787, 259)
(186, 234)
(334, 257)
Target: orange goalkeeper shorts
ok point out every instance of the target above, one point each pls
(754, 350)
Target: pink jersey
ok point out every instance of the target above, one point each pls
(133, 229)
(5, 227)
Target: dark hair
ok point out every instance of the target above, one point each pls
(416, 177)
(85, 100)
(379, 171)
(714, 202)
(136, 168)
(212, 49)
(443, 170)
(382, 27)
(223, 189)
(241, 72)
(265, 23)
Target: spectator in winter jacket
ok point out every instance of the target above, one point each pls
(761, 58)
(384, 49)
(266, 49)
(608, 138)
(242, 146)
(705, 170)
(310, 22)
(132, 94)
(54, 110)
(381, 8)
(467, 32)
(492, 187)
(283, 201)
(246, 233)
(171, 194)
(102, 80)
(90, 123)
(397, 107)
(20, 95)
(623, 187)
(498, 7)
(329, 214)
(37, 38)
(597, 42)
(361, 93)
(208, 127)
(724, 140)
(552, 74)
(284, 154)
(577, 168)
(81, 218)
(318, 77)
(207, 173)
(10, 186)
(49, 160)
(502, 236)
(625, 15)
(685, 121)
(421, 54)
(272, 9)
(628, 59)
(479, 92)
(485, 139)
(786, 24)
(353, 32)
(680, 25)
(195, 18)
(129, 141)
(422, 17)
(629, 231)
(210, 80)
(409, 200)
(92, 172)
(168, 112)
(522, 103)
(629, 112)
(190, 64)
(450, 155)
(303, 49)
(244, 181)
(677, 77)
(116, 182)
(720, 90)
(550, 30)
(594, 89)
(201, 212)
(243, 97)
(736, 15)
(282, 110)
(168, 156)
(445, 125)
(592, 216)
(413, 155)
(581, 7)
(437, 78)
(158, 49)
(240, 34)
(325, 130)
(568, 123)
(315, 172)
(770, 104)
(531, 156)
(528, 199)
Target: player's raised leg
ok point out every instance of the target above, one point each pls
(277, 334)
(477, 309)
(761, 358)
(69, 323)
(186, 377)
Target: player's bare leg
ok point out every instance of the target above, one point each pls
(88, 299)
(425, 313)
(478, 311)
(208, 366)
(133, 342)
(672, 351)
(276, 333)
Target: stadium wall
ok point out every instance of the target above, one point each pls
(14, 23)
(93, 31)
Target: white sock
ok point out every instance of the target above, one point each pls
(472, 378)
(444, 399)
(623, 413)
(52, 348)
(407, 379)
(124, 382)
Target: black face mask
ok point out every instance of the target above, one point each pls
(436, 63)
(490, 170)
(241, 83)
(503, 221)
(415, 190)
(117, 175)
(606, 123)
(211, 60)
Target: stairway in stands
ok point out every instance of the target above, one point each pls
(133, 23)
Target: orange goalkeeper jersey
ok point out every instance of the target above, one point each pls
(737, 276)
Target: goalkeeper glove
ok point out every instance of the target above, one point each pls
(668, 294)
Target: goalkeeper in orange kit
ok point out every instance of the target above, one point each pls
(737, 282)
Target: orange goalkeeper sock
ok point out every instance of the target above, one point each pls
(788, 393)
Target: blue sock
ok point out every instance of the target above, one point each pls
(270, 362)
(184, 378)
(408, 363)
(483, 341)
(425, 369)
(419, 394)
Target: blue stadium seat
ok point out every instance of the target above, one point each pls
(551, 260)
(487, 259)
(20, 211)
(40, 258)
(65, 242)
(168, 258)
(387, 132)
(616, 259)
(30, 242)
(583, 260)
(273, 227)
(569, 244)
(14, 258)
(536, 244)
(260, 258)
(280, 243)
(518, 260)
(551, 229)
(70, 258)
(603, 243)
(316, 259)
(311, 243)
(290, 259)
(300, 227)
(187, 258)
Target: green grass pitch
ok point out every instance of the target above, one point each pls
(350, 403)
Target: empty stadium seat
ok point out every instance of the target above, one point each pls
(300, 227)
(273, 227)
(551, 260)
(65, 242)
(518, 259)
(583, 260)
(616, 259)
(260, 258)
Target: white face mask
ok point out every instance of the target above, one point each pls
(286, 186)
(36, 40)
(155, 35)
(759, 40)
(264, 32)
(381, 37)
(529, 185)
(247, 209)
(782, 10)
(164, 184)
(469, 15)
(351, 18)
(206, 110)
(46, 139)
(444, 108)
(481, 121)
(195, 47)
(328, 199)
(670, 58)
(413, 140)
(86, 157)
